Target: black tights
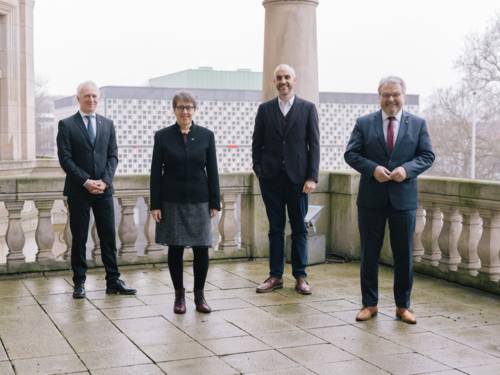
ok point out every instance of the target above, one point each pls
(200, 266)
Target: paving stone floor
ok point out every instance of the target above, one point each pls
(44, 331)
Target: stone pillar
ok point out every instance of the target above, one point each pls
(469, 240)
(15, 235)
(17, 103)
(127, 230)
(418, 247)
(448, 238)
(152, 250)
(228, 225)
(430, 236)
(290, 38)
(44, 234)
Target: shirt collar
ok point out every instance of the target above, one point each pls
(290, 101)
(83, 114)
(397, 116)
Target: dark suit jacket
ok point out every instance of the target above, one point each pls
(184, 173)
(288, 143)
(80, 159)
(367, 149)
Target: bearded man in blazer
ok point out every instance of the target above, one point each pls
(87, 151)
(285, 155)
(390, 148)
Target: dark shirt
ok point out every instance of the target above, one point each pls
(184, 171)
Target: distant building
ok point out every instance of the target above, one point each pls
(138, 112)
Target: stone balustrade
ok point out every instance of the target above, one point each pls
(457, 234)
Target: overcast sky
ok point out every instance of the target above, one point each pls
(125, 42)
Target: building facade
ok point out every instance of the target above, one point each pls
(138, 112)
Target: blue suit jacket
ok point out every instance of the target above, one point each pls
(367, 149)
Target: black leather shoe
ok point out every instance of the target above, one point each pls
(79, 291)
(119, 287)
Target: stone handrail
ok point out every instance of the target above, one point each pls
(457, 235)
(43, 192)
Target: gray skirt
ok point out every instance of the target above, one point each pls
(184, 224)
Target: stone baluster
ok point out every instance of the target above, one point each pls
(418, 248)
(15, 234)
(469, 240)
(44, 234)
(448, 238)
(127, 230)
(96, 250)
(489, 245)
(430, 235)
(228, 225)
(152, 250)
(68, 237)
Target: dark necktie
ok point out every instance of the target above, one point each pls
(390, 134)
(90, 128)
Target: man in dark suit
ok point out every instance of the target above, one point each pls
(285, 155)
(390, 148)
(87, 151)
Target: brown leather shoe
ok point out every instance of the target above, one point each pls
(180, 301)
(270, 284)
(302, 287)
(366, 313)
(405, 315)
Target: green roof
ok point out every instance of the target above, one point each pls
(208, 78)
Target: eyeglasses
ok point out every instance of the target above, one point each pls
(387, 95)
(182, 108)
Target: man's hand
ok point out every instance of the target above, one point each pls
(156, 214)
(309, 187)
(93, 186)
(213, 212)
(398, 174)
(382, 174)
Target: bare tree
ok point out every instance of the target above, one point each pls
(476, 99)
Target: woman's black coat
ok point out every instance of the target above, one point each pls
(184, 172)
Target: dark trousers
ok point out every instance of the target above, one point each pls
(280, 193)
(200, 266)
(401, 228)
(79, 217)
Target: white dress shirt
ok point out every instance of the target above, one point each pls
(285, 106)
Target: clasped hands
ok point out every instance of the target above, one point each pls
(382, 174)
(95, 187)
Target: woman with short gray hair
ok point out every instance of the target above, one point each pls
(184, 186)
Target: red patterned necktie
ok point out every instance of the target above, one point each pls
(390, 134)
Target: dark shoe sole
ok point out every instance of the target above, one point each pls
(280, 286)
(203, 311)
(114, 291)
(303, 292)
(364, 320)
(405, 321)
(78, 296)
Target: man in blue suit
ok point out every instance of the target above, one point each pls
(285, 155)
(390, 148)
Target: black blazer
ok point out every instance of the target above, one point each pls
(184, 173)
(367, 149)
(288, 143)
(80, 159)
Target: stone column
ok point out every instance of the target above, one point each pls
(152, 250)
(127, 230)
(44, 234)
(228, 225)
(290, 38)
(469, 240)
(15, 235)
(17, 103)
(489, 245)
(430, 236)
(418, 247)
(448, 238)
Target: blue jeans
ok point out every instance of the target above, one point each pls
(279, 194)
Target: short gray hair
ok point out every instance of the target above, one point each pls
(87, 83)
(284, 67)
(183, 96)
(392, 79)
